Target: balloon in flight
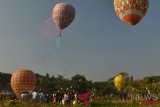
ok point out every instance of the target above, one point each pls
(131, 11)
(63, 14)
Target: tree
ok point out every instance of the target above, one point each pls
(78, 77)
(5, 81)
(80, 84)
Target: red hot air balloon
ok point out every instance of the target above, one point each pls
(63, 14)
(131, 11)
(23, 80)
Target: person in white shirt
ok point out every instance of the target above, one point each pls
(22, 96)
(66, 97)
(35, 96)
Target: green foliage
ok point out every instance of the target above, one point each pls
(106, 103)
(10, 103)
(79, 84)
(5, 81)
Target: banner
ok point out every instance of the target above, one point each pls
(85, 97)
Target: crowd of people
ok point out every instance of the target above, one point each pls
(58, 98)
(55, 98)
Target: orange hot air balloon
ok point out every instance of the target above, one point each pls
(131, 11)
(23, 80)
(63, 14)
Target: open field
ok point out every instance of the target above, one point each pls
(11, 103)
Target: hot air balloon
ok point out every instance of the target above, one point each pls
(63, 14)
(23, 80)
(119, 82)
(131, 11)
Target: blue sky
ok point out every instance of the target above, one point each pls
(97, 44)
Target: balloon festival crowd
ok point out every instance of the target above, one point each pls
(58, 98)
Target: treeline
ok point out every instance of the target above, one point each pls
(79, 84)
(5, 81)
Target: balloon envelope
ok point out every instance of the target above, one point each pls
(131, 11)
(23, 80)
(63, 14)
(119, 82)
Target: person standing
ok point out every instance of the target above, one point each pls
(34, 96)
(41, 97)
(22, 96)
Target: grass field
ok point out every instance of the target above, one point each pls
(11, 103)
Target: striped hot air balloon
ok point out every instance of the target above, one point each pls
(23, 80)
(131, 11)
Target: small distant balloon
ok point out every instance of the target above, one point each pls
(63, 15)
(131, 11)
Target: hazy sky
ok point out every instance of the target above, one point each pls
(97, 44)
